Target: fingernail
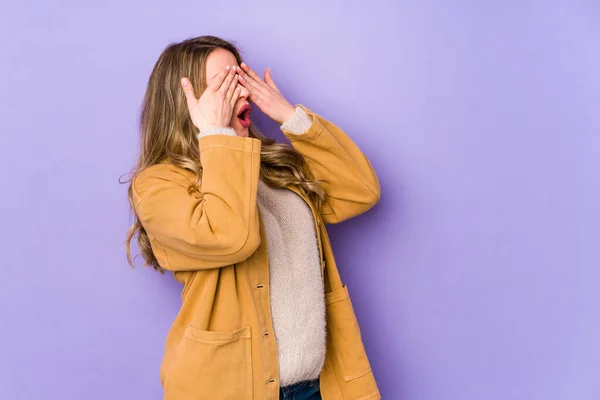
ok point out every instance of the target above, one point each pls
(227, 67)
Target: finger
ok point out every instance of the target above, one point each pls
(188, 90)
(250, 83)
(253, 95)
(227, 81)
(250, 72)
(232, 86)
(269, 79)
(216, 81)
(236, 95)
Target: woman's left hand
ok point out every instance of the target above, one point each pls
(265, 94)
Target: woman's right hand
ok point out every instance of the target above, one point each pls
(215, 106)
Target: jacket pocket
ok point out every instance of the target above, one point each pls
(211, 365)
(347, 345)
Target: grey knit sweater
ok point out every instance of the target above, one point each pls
(296, 288)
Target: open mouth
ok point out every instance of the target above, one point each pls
(244, 115)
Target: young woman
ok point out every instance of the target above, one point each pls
(239, 220)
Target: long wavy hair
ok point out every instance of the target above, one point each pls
(167, 132)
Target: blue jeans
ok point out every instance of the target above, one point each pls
(305, 390)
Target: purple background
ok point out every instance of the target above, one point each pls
(476, 277)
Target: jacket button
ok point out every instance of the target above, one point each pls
(266, 334)
(271, 381)
(260, 286)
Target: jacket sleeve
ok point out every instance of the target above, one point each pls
(350, 183)
(213, 227)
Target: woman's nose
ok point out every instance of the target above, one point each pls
(245, 93)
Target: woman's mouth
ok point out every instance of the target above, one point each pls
(244, 115)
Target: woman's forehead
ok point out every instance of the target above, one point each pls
(217, 60)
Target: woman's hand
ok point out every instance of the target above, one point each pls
(266, 95)
(215, 106)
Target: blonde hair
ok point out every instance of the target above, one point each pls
(167, 132)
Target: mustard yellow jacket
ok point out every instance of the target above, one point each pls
(221, 344)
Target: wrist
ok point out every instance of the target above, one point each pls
(229, 131)
(287, 114)
(210, 126)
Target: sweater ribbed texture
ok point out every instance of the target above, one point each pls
(296, 288)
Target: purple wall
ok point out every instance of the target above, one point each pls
(476, 277)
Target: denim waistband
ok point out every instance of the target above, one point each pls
(287, 390)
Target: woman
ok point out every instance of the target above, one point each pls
(239, 220)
